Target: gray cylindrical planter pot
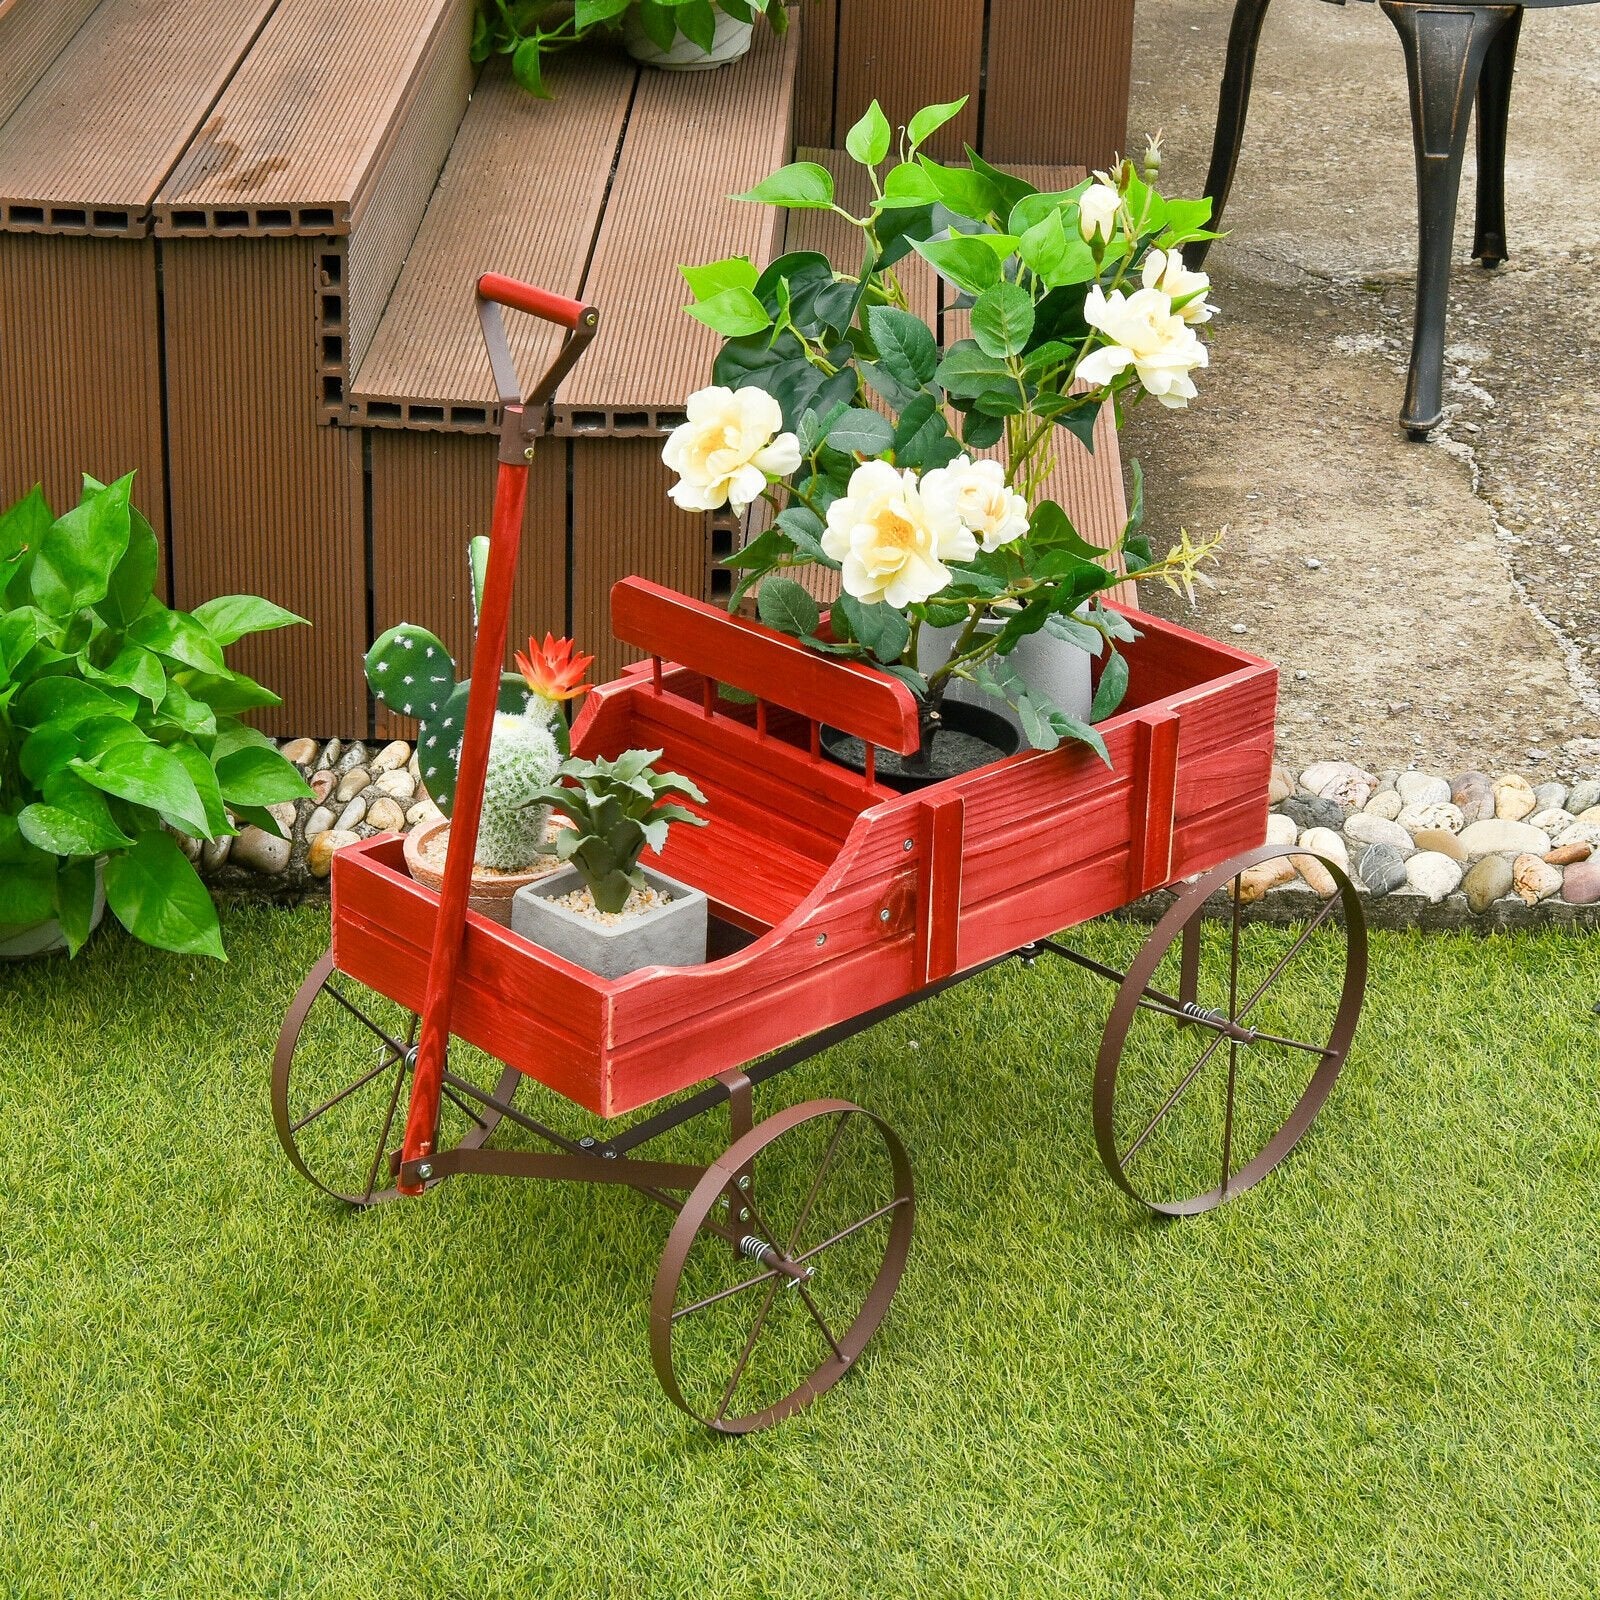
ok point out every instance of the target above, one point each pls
(1052, 667)
(730, 42)
(673, 935)
(45, 938)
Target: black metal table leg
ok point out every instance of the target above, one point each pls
(1232, 107)
(1494, 103)
(1445, 47)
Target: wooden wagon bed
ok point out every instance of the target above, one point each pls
(833, 894)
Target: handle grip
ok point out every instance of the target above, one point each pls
(542, 303)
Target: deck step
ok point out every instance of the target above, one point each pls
(32, 34)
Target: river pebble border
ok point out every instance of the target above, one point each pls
(1422, 848)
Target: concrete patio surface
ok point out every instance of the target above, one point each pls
(1453, 617)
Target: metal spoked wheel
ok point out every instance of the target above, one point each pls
(341, 1078)
(1225, 1038)
(781, 1265)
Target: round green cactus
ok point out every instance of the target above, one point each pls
(523, 758)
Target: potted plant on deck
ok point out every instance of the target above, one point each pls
(120, 731)
(604, 911)
(411, 671)
(674, 35)
(834, 404)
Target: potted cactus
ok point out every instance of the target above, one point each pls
(411, 671)
(604, 911)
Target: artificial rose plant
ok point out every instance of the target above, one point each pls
(835, 405)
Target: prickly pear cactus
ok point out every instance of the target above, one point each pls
(412, 672)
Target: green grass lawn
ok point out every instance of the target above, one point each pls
(1375, 1375)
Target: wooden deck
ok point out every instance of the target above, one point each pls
(243, 265)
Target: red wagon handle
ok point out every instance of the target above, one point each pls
(525, 418)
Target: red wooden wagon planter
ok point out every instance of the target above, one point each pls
(836, 902)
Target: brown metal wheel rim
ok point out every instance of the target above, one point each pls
(373, 1088)
(787, 1265)
(1217, 1036)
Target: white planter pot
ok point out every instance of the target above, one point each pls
(732, 40)
(673, 935)
(1054, 669)
(45, 938)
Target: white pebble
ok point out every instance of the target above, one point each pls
(1433, 875)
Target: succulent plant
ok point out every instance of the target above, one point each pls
(523, 758)
(616, 809)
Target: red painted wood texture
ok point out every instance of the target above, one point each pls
(856, 895)
(746, 655)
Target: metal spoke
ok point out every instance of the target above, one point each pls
(816, 1316)
(355, 1011)
(461, 1105)
(383, 1137)
(345, 1093)
(724, 1294)
(844, 1233)
(1233, 1044)
(745, 1354)
(1288, 956)
(1173, 1098)
(816, 1183)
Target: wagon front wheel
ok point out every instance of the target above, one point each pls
(781, 1265)
(341, 1082)
(1227, 1035)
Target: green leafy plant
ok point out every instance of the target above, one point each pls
(617, 808)
(835, 403)
(531, 30)
(119, 722)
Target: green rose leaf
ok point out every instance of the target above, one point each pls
(736, 272)
(81, 550)
(968, 371)
(868, 140)
(783, 604)
(964, 259)
(882, 629)
(157, 896)
(734, 313)
(1112, 687)
(930, 119)
(803, 186)
(922, 436)
(906, 345)
(256, 776)
(1002, 320)
(232, 616)
(861, 432)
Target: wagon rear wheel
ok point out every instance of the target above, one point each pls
(1226, 1036)
(341, 1082)
(781, 1265)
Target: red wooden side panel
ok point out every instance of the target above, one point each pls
(761, 661)
(525, 1007)
(852, 946)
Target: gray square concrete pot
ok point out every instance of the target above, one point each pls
(673, 935)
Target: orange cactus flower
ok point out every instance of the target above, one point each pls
(553, 670)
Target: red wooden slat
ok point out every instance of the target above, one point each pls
(1155, 784)
(759, 660)
(939, 915)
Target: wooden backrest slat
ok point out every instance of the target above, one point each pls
(747, 655)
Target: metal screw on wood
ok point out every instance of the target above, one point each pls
(822, 938)
(883, 916)
(906, 845)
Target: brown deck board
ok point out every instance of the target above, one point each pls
(32, 34)
(298, 141)
(151, 70)
(693, 139)
(546, 166)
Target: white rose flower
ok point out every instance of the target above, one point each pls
(1097, 211)
(1147, 335)
(977, 495)
(1164, 270)
(891, 542)
(729, 449)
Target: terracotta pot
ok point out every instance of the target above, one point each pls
(732, 40)
(491, 891)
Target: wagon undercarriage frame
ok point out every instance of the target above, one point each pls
(722, 1204)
